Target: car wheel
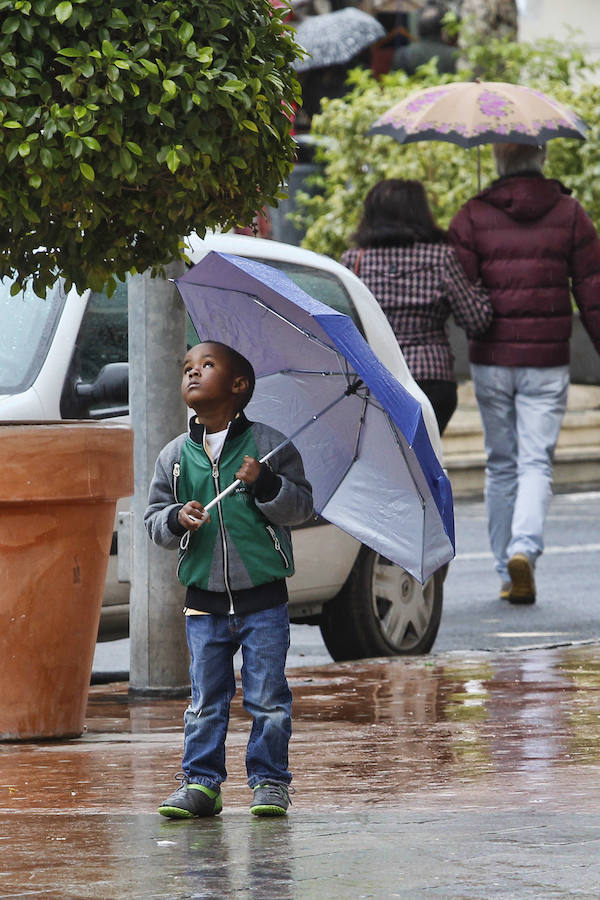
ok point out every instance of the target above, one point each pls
(382, 611)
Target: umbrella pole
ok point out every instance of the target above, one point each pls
(276, 449)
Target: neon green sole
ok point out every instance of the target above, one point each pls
(268, 811)
(174, 812)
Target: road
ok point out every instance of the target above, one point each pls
(567, 610)
(568, 605)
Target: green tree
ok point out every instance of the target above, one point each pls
(125, 125)
(353, 161)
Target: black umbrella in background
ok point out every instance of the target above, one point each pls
(333, 39)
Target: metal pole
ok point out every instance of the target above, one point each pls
(157, 345)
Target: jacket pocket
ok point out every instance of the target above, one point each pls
(183, 545)
(277, 545)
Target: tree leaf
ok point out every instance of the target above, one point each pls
(233, 86)
(63, 11)
(87, 171)
(149, 66)
(108, 49)
(7, 88)
(116, 92)
(186, 32)
(134, 148)
(173, 161)
(10, 25)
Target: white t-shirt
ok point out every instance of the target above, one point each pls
(213, 443)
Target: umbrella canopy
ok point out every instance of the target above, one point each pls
(393, 6)
(470, 113)
(360, 433)
(334, 38)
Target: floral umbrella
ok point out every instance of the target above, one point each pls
(470, 113)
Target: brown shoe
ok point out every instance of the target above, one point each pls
(523, 583)
(505, 589)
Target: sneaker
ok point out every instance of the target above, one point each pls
(191, 800)
(523, 583)
(505, 589)
(270, 799)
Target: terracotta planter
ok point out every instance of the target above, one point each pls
(59, 483)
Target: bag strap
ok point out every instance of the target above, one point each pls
(358, 259)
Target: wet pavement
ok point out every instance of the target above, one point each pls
(460, 775)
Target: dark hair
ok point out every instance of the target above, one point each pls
(396, 213)
(239, 366)
(431, 21)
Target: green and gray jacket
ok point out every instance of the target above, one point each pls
(247, 542)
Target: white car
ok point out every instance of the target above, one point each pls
(67, 358)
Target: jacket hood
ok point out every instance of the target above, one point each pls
(524, 197)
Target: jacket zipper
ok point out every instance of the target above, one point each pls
(176, 474)
(215, 475)
(277, 545)
(183, 543)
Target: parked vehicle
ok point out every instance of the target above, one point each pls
(67, 358)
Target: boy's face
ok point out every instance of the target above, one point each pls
(208, 384)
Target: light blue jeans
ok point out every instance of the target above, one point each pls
(522, 409)
(213, 640)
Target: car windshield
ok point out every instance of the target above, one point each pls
(320, 284)
(27, 323)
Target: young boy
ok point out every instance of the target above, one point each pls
(234, 564)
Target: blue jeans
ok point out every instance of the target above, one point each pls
(522, 409)
(213, 641)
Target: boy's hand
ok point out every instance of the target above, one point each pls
(249, 470)
(192, 515)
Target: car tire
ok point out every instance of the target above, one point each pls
(382, 611)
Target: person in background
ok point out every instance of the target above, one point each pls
(431, 43)
(407, 263)
(531, 243)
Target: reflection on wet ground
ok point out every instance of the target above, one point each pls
(464, 775)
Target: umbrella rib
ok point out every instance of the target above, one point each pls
(310, 372)
(361, 423)
(303, 331)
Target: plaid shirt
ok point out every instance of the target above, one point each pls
(418, 287)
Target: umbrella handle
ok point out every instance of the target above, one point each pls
(237, 481)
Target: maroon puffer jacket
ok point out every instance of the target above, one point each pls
(530, 243)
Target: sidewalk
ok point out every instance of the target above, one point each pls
(460, 775)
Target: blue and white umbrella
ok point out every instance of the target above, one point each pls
(360, 433)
